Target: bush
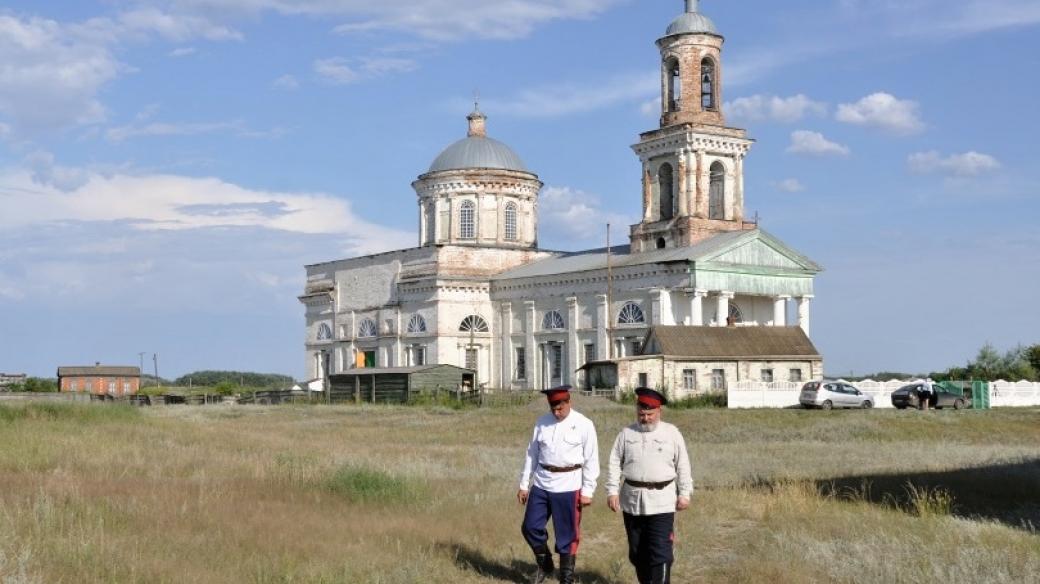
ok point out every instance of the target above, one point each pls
(713, 399)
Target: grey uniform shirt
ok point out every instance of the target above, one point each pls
(649, 457)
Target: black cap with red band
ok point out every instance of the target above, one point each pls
(650, 399)
(558, 394)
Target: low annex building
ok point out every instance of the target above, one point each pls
(100, 380)
(479, 293)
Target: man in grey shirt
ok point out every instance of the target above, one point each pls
(649, 479)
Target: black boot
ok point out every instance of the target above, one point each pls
(661, 574)
(643, 574)
(543, 558)
(566, 569)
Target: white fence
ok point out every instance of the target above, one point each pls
(784, 394)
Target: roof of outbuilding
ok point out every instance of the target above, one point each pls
(100, 370)
(709, 342)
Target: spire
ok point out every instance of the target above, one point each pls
(477, 120)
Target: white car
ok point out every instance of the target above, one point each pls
(833, 394)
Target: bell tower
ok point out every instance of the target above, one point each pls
(693, 165)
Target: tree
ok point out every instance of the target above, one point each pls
(39, 385)
(1033, 356)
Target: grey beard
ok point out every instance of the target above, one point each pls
(647, 427)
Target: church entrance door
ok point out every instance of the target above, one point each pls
(552, 369)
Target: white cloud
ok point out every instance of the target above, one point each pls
(122, 133)
(789, 185)
(287, 82)
(46, 172)
(169, 25)
(183, 52)
(958, 165)
(651, 108)
(566, 98)
(759, 108)
(341, 71)
(882, 110)
(815, 144)
(571, 216)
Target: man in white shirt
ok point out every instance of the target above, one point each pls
(558, 481)
(651, 457)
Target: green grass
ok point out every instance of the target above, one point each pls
(366, 485)
(67, 412)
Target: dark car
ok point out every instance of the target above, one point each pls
(908, 396)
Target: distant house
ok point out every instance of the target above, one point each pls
(688, 360)
(100, 380)
(9, 379)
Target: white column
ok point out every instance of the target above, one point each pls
(571, 357)
(602, 319)
(722, 310)
(534, 360)
(661, 307)
(697, 307)
(780, 310)
(803, 312)
(506, 314)
(738, 194)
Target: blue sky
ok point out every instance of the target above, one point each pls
(167, 167)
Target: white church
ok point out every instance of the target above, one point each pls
(698, 299)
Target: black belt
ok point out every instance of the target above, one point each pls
(654, 486)
(551, 468)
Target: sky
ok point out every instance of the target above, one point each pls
(167, 167)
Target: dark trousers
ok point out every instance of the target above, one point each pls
(650, 539)
(565, 511)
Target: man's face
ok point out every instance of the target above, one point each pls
(560, 409)
(648, 418)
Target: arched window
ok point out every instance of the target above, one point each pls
(473, 324)
(510, 220)
(717, 192)
(664, 180)
(324, 332)
(735, 316)
(467, 220)
(553, 321)
(708, 84)
(417, 324)
(631, 314)
(674, 82)
(367, 329)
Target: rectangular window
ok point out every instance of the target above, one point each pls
(796, 375)
(370, 359)
(718, 379)
(689, 379)
(590, 353)
(126, 387)
(112, 387)
(418, 356)
(636, 345)
(89, 385)
(471, 359)
(556, 355)
(521, 363)
(767, 375)
(643, 380)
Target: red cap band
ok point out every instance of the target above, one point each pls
(649, 401)
(558, 395)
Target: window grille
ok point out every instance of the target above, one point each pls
(367, 329)
(590, 353)
(717, 192)
(556, 354)
(689, 377)
(473, 324)
(471, 359)
(718, 379)
(467, 220)
(417, 324)
(510, 221)
(631, 314)
(767, 375)
(795, 375)
(521, 363)
(553, 320)
(324, 332)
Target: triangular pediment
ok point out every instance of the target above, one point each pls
(761, 250)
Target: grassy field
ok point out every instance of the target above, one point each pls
(99, 493)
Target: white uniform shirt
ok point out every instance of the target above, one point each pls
(569, 442)
(649, 457)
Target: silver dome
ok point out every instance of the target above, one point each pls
(692, 23)
(478, 152)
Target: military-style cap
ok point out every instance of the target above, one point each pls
(557, 394)
(650, 399)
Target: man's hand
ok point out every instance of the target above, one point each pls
(682, 504)
(614, 502)
(584, 501)
(521, 496)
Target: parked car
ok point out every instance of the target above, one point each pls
(908, 397)
(833, 394)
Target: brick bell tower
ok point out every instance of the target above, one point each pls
(693, 165)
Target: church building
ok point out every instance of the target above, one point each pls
(479, 293)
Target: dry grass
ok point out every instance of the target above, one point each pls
(395, 495)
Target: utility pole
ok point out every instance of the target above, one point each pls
(610, 295)
(140, 370)
(155, 362)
